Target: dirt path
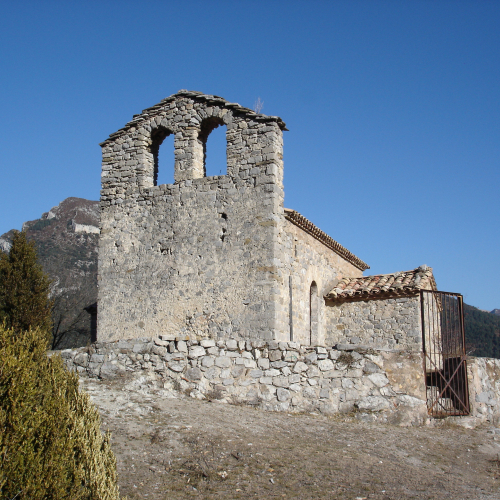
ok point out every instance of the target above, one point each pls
(176, 447)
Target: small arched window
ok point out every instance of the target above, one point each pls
(212, 136)
(313, 314)
(163, 159)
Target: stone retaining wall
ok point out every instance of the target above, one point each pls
(484, 389)
(384, 385)
(282, 376)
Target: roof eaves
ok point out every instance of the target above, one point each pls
(307, 226)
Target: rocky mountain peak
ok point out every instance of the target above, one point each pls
(66, 239)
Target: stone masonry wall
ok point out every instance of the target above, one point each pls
(198, 256)
(484, 389)
(306, 260)
(382, 323)
(278, 376)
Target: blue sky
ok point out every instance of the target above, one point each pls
(393, 109)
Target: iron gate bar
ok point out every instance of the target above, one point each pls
(444, 357)
(449, 386)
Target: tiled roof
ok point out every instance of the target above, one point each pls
(405, 283)
(306, 225)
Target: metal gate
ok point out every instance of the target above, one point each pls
(443, 341)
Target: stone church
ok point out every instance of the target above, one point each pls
(220, 257)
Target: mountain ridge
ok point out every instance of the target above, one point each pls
(66, 239)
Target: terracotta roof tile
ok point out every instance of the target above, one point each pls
(405, 283)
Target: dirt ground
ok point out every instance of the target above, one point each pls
(170, 446)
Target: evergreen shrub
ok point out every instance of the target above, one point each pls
(51, 445)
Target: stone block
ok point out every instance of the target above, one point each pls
(281, 381)
(97, 358)
(347, 383)
(324, 394)
(310, 392)
(163, 343)
(207, 361)
(378, 379)
(282, 394)
(406, 400)
(159, 350)
(351, 395)
(207, 343)
(311, 357)
(196, 352)
(370, 367)
(279, 364)
(275, 355)
(238, 371)
(193, 374)
(109, 371)
(168, 337)
(81, 359)
(223, 362)
(263, 363)
(181, 346)
(272, 372)
(373, 403)
(212, 372)
(325, 365)
(176, 367)
(300, 367)
(231, 345)
(312, 372)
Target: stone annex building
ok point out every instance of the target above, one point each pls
(220, 257)
(211, 285)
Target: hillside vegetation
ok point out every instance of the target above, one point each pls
(482, 332)
(66, 240)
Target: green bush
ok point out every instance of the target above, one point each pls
(51, 445)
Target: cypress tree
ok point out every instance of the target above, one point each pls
(24, 288)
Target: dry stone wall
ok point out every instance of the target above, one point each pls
(384, 385)
(484, 389)
(384, 323)
(277, 376)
